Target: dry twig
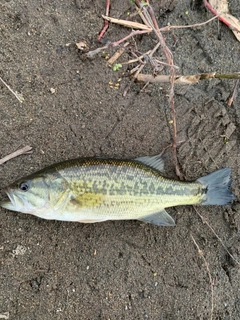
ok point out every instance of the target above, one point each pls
(25, 150)
(185, 80)
(106, 24)
(91, 54)
(129, 24)
(20, 99)
(146, 26)
(234, 94)
(204, 221)
(189, 25)
(117, 54)
(209, 274)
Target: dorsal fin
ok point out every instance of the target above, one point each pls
(155, 162)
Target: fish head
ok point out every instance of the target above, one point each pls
(35, 194)
(27, 195)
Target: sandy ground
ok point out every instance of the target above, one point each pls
(126, 269)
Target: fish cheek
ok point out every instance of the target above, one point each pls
(56, 187)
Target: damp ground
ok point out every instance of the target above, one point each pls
(116, 269)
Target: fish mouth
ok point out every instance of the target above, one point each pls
(10, 205)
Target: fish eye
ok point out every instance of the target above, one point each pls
(24, 186)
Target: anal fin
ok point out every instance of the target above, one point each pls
(161, 218)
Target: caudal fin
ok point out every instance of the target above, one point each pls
(216, 186)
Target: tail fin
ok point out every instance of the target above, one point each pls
(216, 186)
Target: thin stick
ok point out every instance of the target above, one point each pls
(117, 54)
(92, 53)
(143, 18)
(106, 23)
(146, 26)
(138, 59)
(204, 221)
(185, 80)
(132, 34)
(16, 95)
(25, 150)
(209, 274)
(188, 26)
(129, 24)
(234, 94)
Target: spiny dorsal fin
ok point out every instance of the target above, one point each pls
(155, 162)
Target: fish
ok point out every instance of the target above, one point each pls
(92, 190)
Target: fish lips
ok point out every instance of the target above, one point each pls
(12, 204)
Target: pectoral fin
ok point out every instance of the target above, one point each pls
(161, 218)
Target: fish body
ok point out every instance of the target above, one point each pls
(94, 190)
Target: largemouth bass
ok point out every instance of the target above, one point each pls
(94, 190)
